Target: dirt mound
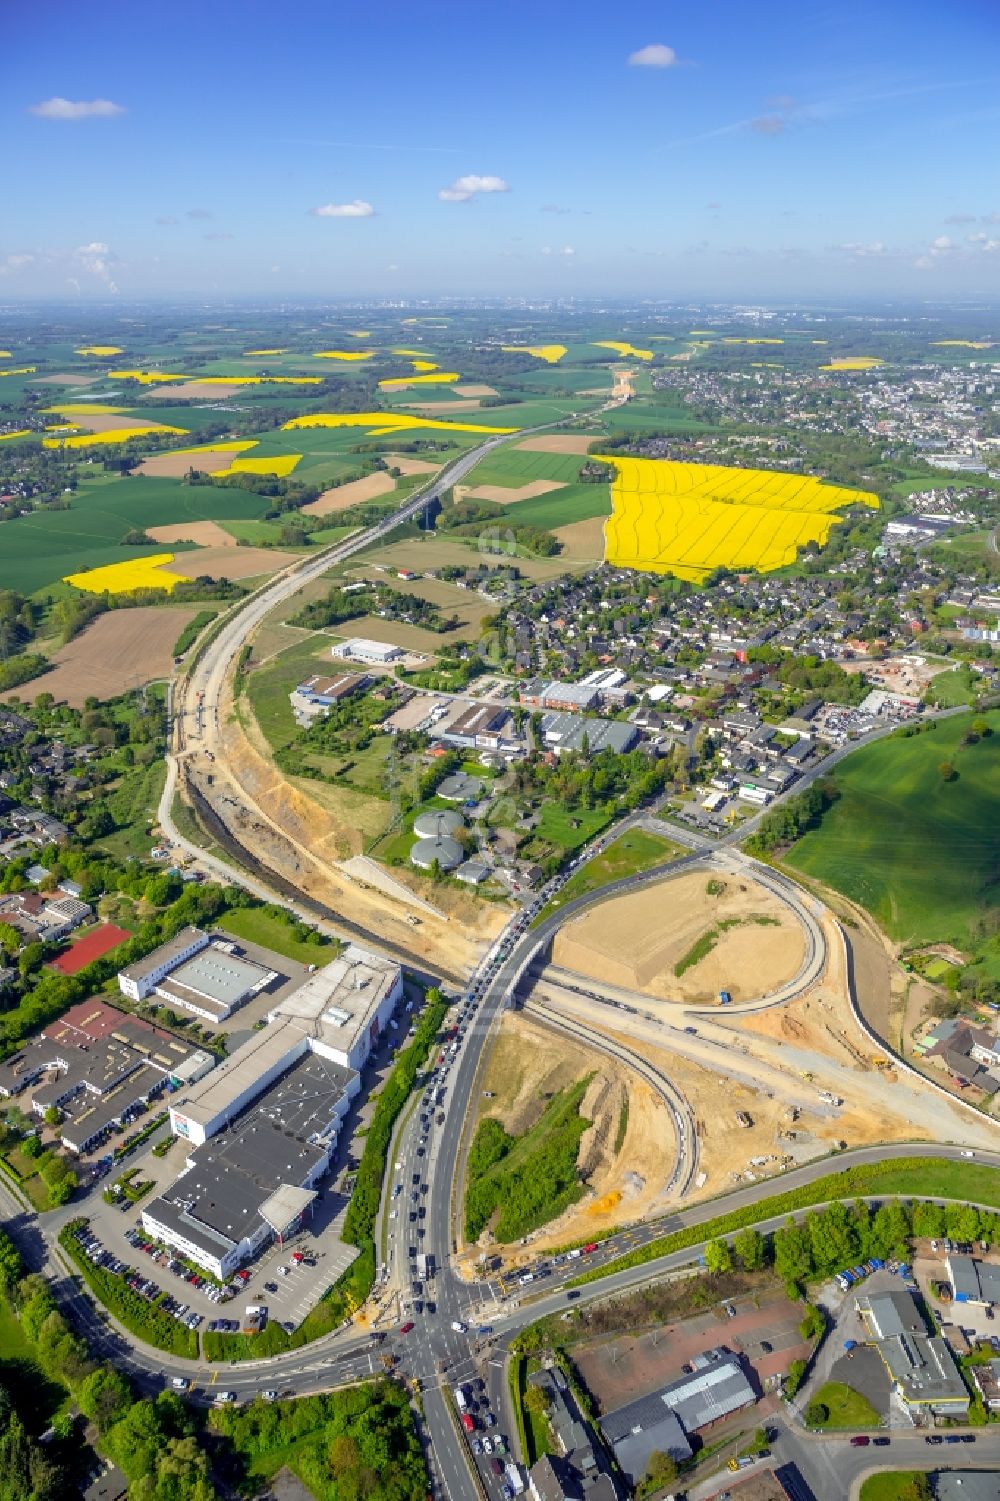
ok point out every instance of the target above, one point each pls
(748, 941)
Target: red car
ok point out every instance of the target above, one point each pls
(589, 1250)
(297, 1257)
(467, 1422)
(860, 1441)
(405, 1328)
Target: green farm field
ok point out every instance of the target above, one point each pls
(41, 548)
(920, 853)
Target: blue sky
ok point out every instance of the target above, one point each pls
(740, 151)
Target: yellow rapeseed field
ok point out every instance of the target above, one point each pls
(114, 435)
(76, 408)
(853, 362)
(104, 351)
(380, 423)
(343, 354)
(687, 519)
(24, 370)
(144, 377)
(423, 364)
(124, 578)
(22, 432)
(359, 333)
(281, 465)
(231, 445)
(628, 350)
(441, 378)
(5, 354)
(962, 343)
(550, 353)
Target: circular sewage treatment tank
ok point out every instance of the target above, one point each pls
(438, 823)
(447, 852)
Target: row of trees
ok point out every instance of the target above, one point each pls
(827, 1240)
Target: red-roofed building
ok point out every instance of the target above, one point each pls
(93, 945)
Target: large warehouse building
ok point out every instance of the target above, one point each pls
(200, 973)
(264, 1126)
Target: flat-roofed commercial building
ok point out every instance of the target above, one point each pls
(571, 732)
(264, 1136)
(201, 974)
(924, 1374)
(214, 1212)
(973, 1281)
(345, 1007)
(97, 1065)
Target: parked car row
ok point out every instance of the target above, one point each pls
(143, 1286)
(163, 1258)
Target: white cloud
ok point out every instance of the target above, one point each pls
(854, 247)
(358, 208)
(17, 262)
(769, 125)
(567, 251)
(464, 188)
(76, 109)
(71, 281)
(943, 242)
(97, 259)
(656, 55)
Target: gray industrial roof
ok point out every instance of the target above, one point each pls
(437, 821)
(220, 976)
(965, 1485)
(446, 851)
(974, 1281)
(568, 731)
(645, 1427)
(922, 1367)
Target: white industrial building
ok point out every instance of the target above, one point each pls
(360, 649)
(345, 1007)
(200, 973)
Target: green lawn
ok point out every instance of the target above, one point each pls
(846, 1408)
(259, 925)
(570, 829)
(949, 689)
(918, 852)
(574, 503)
(629, 854)
(896, 1485)
(270, 685)
(35, 1397)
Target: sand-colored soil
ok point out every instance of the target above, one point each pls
(228, 562)
(406, 464)
(192, 390)
(175, 465)
(636, 941)
(506, 495)
(117, 652)
(472, 389)
(342, 497)
(530, 1061)
(557, 443)
(65, 380)
(106, 422)
(301, 840)
(201, 533)
(582, 541)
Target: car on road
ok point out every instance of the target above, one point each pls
(269, 1396)
(223, 1398)
(405, 1328)
(860, 1441)
(953, 1438)
(180, 1383)
(933, 1438)
(881, 1443)
(298, 1257)
(271, 1287)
